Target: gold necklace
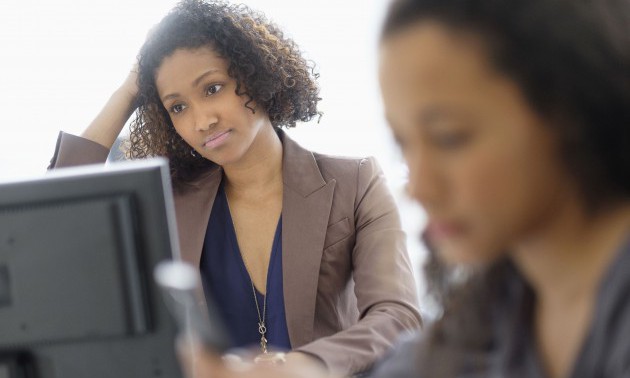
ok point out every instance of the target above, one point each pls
(262, 328)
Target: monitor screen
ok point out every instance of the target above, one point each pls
(77, 251)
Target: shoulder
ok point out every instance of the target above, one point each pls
(352, 175)
(611, 325)
(343, 168)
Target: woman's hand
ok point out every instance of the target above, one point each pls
(108, 124)
(200, 363)
(298, 360)
(130, 85)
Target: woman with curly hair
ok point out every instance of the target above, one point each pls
(300, 251)
(514, 119)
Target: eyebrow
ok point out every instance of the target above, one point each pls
(428, 115)
(195, 83)
(203, 76)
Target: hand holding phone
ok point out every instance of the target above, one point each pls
(180, 284)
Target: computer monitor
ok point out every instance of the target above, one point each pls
(77, 252)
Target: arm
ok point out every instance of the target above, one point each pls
(97, 139)
(200, 363)
(384, 284)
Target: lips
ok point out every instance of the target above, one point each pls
(217, 139)
(442, 229)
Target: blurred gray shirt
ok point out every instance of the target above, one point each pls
(605, 352)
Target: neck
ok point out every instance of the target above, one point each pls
(566, 259)
(260, 169)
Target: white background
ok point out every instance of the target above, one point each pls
(60, 61)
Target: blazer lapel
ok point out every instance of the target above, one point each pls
(307, 200)
(192, 210)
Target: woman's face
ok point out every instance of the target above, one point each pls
(481, 162)
(200, 97)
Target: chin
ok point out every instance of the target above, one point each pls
(226, 159)
(467, 252)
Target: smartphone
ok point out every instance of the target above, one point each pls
(181, 288)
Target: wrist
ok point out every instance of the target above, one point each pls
(125, 99)
(126, 93)
(129, 88)
(303, 360)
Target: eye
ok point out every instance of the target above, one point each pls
(212, 89)
(177, 108)
(451, 140)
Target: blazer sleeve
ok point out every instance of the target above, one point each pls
(385, 289)
(72, 150)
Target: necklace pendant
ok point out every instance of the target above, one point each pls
(263, 344)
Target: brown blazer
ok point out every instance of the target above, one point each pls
(349, 290)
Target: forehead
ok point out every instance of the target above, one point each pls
(428, 64)
(430, 55)
(186, 64)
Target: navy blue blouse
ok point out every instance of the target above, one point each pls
(226, 279)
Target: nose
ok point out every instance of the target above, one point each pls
(425, 184)
(204, 117)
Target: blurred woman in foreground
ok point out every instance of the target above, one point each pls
(514, 119)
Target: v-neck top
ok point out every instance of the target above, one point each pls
(227, 280)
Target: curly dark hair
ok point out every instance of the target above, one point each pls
(571, 59)
(268, 68)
